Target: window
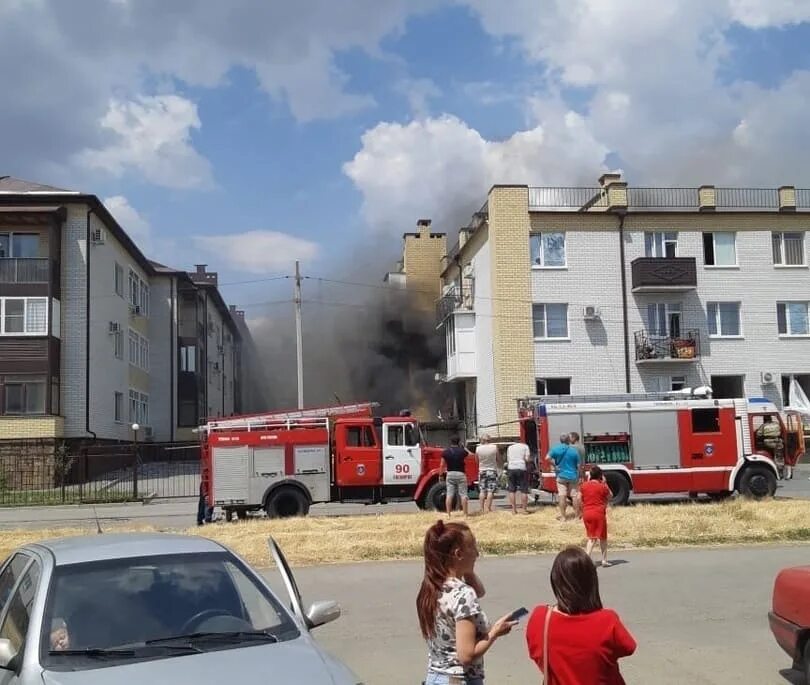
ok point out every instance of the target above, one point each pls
(450, 332)
(118, 344)
(706, 420)
(660, 245)
(18, 614)
(550, 321)
(24, 395)
(188, 358)
(134, 288)
(138, 408)
(788, 249)
(144, 301)
(677, 383)
(119, 279)
(547, 250)
(118, 407)
(719, 249)
(552, 386)
(19, 245)
(402, 435)
(8, 578)
(664, 320)
(724, 319)
(360, 436)
(138, 350)
(24, 315)
(792, 318)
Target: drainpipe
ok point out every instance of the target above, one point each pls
(172, 353)
(621, 213)
(87, 333)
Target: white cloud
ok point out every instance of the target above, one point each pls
(757, 14)
(258, 251)
(418, 92)
(136, 226)
(153, 136)
(442, 168)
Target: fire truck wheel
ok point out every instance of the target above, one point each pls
(757, 482)
(435, 497)
(619, 486)
(286, 502)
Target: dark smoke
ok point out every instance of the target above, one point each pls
(361, 342)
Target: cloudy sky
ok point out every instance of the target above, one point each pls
(249, 133)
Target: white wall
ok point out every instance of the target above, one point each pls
(485, 383)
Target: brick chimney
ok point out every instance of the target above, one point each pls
(200, 275)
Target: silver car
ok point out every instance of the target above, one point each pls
(154, 608)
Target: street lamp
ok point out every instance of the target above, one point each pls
(135, 428)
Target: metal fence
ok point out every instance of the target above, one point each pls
(38, 473)
(565, 198)
(654, 198)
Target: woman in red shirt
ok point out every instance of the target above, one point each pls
(577, 641)
(595, 495)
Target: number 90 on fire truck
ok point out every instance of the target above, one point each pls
(663, 444)
(283, 462)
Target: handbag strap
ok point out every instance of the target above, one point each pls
(545, 645)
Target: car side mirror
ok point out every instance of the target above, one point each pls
(7, 654)
(320, 613)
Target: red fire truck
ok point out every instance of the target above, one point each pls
(666, 444)
(283, 462)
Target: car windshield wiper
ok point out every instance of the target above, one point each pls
(96, 653)
(227, 637)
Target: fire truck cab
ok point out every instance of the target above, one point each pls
(663, 444)
(286, 461)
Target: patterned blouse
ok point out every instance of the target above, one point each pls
(457, 601)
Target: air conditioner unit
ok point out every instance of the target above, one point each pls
(135, 309)
(114, 327)
(147, 433)
(590, 312)
(467, 271)
(767, 377)
(98, 236)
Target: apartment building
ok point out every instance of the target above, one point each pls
(612, 289)
(93, 335)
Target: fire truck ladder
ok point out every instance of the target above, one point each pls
(534, 400)
(259, 420)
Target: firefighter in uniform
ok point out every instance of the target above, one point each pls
(769, 434)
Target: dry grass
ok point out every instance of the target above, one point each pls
(313, 540)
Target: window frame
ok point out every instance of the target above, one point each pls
(782, 253)
(670, 308)
(545, 381)
(11, 251)
(714, 265)
(718, 334)
(664, 241)
(24, 380)
(537, 237)
(26, 302)
(545, 337)
(118, 280)
(787, 333)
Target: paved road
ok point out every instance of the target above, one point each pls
(699, 616)
(181, 513)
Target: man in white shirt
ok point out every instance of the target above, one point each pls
(518, 457)
(487, 455)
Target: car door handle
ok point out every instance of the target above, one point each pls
(389, 456)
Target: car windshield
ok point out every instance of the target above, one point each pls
(156, 607)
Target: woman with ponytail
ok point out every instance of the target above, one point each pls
(450, 617)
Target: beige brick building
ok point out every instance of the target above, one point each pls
(613, 289)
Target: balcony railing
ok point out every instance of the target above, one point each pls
(654, 198)
(456, 298)
(565, 198)
(652, 348)
(656, 274)
(13, 270)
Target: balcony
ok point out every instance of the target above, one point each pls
(25, 270)
(662, 274)
(455, 299)
(652, 349)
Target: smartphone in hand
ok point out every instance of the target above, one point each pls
(518, 614)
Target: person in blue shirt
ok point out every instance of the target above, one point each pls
(568, 467)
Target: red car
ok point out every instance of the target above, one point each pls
(789, 617)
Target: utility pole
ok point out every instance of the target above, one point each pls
(298, 340)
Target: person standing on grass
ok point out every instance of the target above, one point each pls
(577, 642)
(595, 495)
(567, 466)
(453, 459)
(451, 620)
(487, 455)
(518, 457)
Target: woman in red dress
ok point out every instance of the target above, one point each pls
(595, 495)
(577, 642)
